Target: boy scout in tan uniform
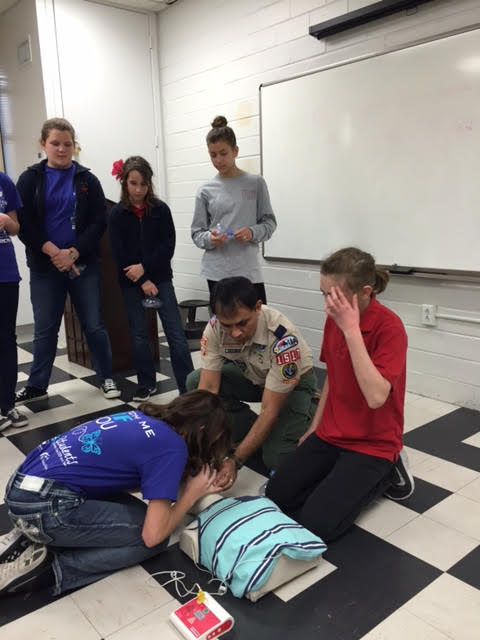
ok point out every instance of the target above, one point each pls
(256, 354)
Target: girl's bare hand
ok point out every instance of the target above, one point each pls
(134, 272)
(243, 235)
(203, 483)
(149, 288)
(345, 315)
(217, 239)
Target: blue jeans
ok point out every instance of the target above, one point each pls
(172, 325)
(48, 292)
(88, 538)
(8, 345)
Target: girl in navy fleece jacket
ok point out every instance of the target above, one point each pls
(142, 238)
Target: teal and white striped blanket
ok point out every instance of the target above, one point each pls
(241, 539)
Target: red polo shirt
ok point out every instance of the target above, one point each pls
(347, 420)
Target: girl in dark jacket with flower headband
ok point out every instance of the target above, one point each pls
(142, 238)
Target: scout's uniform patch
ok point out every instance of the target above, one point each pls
(288, 356)
(289, 373)
(276, 357)
(287, 342)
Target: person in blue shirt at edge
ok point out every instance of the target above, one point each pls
(61, 223)
(142, 239)
(9, 289)
(74, 520)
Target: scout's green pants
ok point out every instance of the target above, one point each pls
(292, 422)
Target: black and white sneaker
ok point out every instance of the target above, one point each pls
(29, 394)
(5, 422)
(403, 483)
(12, 544)
(29, 565)
(143, 393)
(110, 389)
(17, 419)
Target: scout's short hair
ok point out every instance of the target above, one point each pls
(231, 293)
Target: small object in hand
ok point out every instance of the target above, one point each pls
(220, 230)
(81, 268)
(151, 302)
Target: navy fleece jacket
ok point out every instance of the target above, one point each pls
(149, 241)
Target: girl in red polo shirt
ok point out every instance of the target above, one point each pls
(350, 455)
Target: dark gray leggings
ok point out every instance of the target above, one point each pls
(324, 487)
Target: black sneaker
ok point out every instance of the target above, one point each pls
(403, 483)
(28, 394)
(17, 419)
(110, 389)
(29, 565)
(12, 544)
(143, 393)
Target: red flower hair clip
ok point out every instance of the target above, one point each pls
(117, 169)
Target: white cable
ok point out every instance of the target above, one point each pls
(177, 578)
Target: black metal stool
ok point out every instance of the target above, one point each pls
(193, 328)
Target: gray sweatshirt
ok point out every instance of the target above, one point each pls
(237, 202)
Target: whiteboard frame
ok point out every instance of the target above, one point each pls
(442, 274)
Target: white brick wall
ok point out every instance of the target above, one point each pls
(213, 55)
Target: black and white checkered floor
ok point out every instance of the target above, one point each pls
(409, 570)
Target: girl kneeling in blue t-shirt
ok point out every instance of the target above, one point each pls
(74, 520)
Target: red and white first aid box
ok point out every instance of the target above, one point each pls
(201, 620)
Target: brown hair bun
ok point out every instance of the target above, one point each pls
(219, 121)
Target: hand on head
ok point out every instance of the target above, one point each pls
(204, 483)
(345, 315)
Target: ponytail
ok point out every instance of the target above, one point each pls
(381, 280)
(357, 267)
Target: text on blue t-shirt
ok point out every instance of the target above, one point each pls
(113, 453)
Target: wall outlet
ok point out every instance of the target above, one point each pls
(429, 314)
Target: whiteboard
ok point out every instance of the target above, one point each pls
(382, 153)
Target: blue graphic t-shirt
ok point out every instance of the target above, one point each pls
(60, 201)
(113, 453)
(9, 201)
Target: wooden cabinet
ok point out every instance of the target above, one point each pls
(115, 320)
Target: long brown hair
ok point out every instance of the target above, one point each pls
(201, 420)
(357, 267)
(137, 163)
